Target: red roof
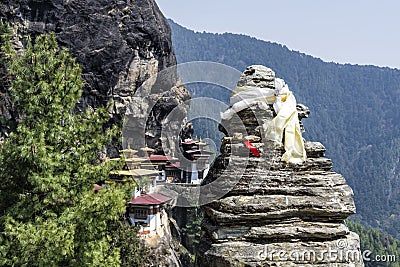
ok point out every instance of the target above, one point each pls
(174, 165)
(160, 158)
(150, 199)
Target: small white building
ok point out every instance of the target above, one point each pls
(146, 211)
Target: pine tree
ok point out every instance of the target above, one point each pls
(49, 212)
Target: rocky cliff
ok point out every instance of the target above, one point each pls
(121, 46)
(274, 213)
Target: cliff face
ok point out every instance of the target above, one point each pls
(274, 213)
(121, 46)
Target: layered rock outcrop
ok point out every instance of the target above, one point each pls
(274, 213)
(121, 46)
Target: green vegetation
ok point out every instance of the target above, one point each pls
(190, 234)
(379, 249)
(49, 212)
(192, 230)
(354, 112)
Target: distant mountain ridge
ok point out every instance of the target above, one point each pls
(354, 112)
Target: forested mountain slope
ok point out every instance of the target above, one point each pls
(354, 112)
(380, 249)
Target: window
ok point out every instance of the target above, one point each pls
(140, 213)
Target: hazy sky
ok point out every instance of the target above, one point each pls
(344, 31)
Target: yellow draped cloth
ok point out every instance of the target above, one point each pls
(286, 122)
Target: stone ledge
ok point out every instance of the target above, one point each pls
(290, 231)
(246, 209)
(343, 252)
